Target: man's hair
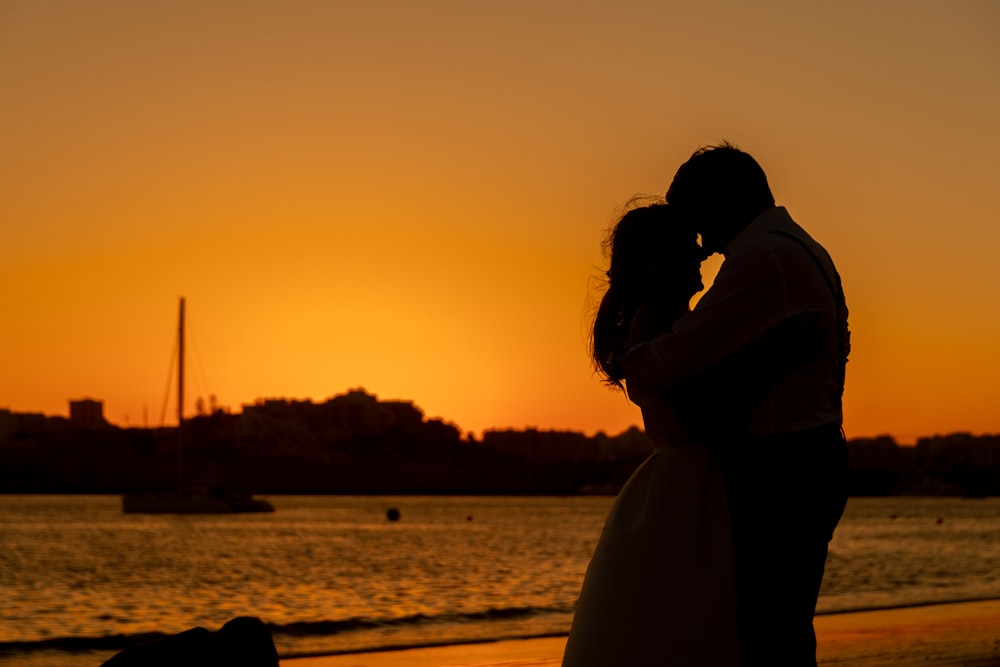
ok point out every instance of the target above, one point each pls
(724, 178)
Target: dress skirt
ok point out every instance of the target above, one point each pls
(661, 588)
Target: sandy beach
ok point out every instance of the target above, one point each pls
(963, 634)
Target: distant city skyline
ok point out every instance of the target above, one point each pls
(89, 410)
(356, 443)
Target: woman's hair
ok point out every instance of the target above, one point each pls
(638, 246)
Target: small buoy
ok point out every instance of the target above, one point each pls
(892, 516)
(940, 521)
(392, 514)
(468, 518)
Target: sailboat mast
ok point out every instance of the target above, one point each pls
(180, 398)
(180, 365)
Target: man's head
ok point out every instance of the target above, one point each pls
(721, 189)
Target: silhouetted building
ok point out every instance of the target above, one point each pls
(27, 424)
(87, 414)
(879, 453)
(6, 425)
(542, 446)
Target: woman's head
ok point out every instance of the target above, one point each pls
(653, 256)
(652, 253)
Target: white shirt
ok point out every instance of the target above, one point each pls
(766, 279)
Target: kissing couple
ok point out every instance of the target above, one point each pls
(713, 553)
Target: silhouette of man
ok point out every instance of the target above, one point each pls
(783, 457)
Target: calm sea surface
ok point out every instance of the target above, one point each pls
(331, 574)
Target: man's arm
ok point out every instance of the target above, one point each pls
(748, 299)
(719, 400)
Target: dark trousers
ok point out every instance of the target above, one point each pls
(786, 494)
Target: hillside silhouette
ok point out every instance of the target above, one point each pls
(354, 443)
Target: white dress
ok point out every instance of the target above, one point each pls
(660, 588)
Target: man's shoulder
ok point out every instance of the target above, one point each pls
(776, 232)
(776, 249)
(765, 242)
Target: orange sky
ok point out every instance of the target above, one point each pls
(410, 197)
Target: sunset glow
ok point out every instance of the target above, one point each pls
(411, 197)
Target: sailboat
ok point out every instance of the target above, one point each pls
(189, 500)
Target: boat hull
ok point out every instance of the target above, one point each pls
(192, 503)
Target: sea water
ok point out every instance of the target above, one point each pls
(79, 579)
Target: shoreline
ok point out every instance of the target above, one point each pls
(395, 648)
(952, 633)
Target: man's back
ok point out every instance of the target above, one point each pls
(795, 297)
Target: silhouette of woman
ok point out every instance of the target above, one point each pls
(660, 588)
